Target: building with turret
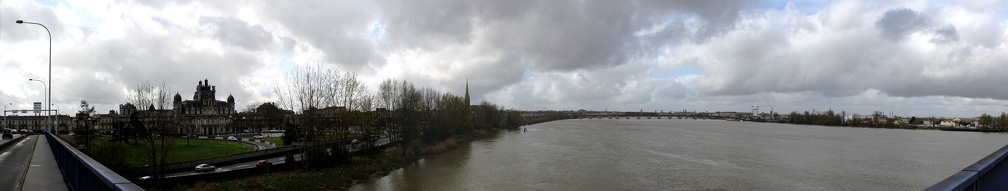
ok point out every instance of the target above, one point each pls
(204, 114)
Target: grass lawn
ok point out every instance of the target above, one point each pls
(136, 155)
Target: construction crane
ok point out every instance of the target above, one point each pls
(755, 109)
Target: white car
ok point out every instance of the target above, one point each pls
(232, 138)
(205, 168)
(258, 136)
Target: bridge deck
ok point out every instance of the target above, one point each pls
(43, 173)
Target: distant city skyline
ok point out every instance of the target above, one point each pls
(911, 58)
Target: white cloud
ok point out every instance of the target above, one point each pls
(943, 58)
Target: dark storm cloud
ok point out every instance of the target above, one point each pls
(896, 24)
(505, 40)
(13, 32)
(553, 35)
(95, 91)
(945, 34)
(340, 29)
(237, 32)
(839, 60)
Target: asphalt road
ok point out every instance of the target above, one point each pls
(244, 165)
(259, 146)
(14, 161)
(2, 141)
(252, 164)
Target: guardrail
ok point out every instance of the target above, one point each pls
(84, 173)
(990, 173)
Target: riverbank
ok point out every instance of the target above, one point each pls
(337, 178)
(909, 127)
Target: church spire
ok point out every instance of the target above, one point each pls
(467, 93)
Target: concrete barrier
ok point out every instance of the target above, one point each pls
(84, 173)
(12, 142)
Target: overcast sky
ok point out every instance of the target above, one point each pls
(923, 58)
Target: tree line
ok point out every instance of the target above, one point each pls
(331, 115)
(879, 119)
(988, 121)
(336, 114)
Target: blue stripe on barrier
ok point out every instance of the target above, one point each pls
(990, 173)
(83, 172)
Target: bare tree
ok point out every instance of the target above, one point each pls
(350, 90)
(306, 88)
(388, 94)
(409, 109)
(365, 102)
(311, 91)
(156, 125)
(388, 97)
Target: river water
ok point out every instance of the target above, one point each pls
(681, 154)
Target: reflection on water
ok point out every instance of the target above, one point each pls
(606, 154)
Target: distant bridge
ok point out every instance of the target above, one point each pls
(654, 115)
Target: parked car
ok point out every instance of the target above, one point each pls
(7, 134)
(205, 168)
(232, 138)
(263, 164)
(258, 136)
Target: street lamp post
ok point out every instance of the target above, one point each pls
(50, 63)
(5, 114)
(48, 122)
(57, 117)
(87, 133)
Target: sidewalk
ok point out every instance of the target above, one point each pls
(43, 173)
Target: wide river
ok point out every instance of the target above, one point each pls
(632, 154)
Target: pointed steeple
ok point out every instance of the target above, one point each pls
(467, 93)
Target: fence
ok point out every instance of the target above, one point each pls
(990, 173)
(84, 173)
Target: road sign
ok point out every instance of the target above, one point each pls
(38, 106)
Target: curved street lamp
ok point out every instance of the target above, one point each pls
(49, 97)
(48, 122)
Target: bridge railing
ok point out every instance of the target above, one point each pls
(990, 173)
(84, 173)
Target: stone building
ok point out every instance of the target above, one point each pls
(36, 123)
(204, 114)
